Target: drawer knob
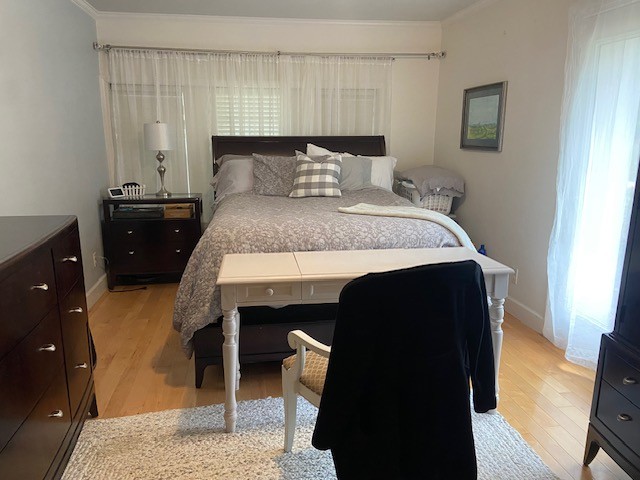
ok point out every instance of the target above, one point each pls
(269, 291)
(178, 250)
(76, 310)
(624, 417)
(629, 381)
(129, 232)
(40, 286)
(81, 365)
(177, 230)
(131, 252)
(72, 259)
(49, 347)
(56, 414)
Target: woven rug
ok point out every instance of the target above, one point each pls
(191, 444)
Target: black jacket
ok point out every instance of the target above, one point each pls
(396, 396)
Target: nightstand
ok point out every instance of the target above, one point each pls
(149, 238)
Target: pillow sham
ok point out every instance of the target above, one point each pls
(273, 175)
(316, 150)
(355, 173)
(234, 176)
(317, 178)
(433, 180)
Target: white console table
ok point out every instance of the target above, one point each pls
(318, 277)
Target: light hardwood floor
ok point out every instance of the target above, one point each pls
(141, 368)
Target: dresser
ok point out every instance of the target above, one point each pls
(614, 423)
(145, 241)
(46, 354)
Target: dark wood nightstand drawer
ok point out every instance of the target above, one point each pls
(151, 258)
(25, 298)
(622, 376)
(73, 319)
(619, 415)
(155, 231)
(32, 449)
(26, 372)
(67, 261)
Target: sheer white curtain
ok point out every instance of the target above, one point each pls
(599, 150)
(202, 94)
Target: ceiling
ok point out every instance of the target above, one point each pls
(377, 10)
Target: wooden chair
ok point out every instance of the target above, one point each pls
(393, 389)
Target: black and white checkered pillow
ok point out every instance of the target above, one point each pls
(317, 178)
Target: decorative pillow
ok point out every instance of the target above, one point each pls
(317, 178)
(355, 173)
(382, 171)
(273, 175)
(432, 180)
(234, 176)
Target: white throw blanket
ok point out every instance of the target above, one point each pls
(412, 212)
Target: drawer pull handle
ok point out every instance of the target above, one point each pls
(624, 417)
(49, 347)
(81, 365)
(76, 310)
(131, 252)
(129, 232)
(269, 291)
(177, 230)
(178, 250)
(72, 259)
(629, 381)
(40, 286)
(56, 414)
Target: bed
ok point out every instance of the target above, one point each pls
(250, 223)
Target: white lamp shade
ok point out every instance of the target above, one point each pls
(157, 136)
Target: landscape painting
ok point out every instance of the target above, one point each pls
(483, 117)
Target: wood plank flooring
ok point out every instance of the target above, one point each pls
(141, 368)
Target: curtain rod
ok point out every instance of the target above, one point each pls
(428, 55)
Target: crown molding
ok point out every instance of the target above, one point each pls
(470, 10)
(258, 20)
(87, 8)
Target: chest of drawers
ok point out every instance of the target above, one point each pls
(46, 358)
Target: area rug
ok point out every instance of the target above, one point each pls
(191, 444)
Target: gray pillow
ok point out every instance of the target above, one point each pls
(355, 173)
(234, 176)
(273, 175)
(432, 180)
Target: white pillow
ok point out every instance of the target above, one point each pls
(381, 167)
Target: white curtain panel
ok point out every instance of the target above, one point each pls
(204, 94)
(600, 145)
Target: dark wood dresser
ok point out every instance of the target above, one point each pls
(614, 424)
(142, 246)
(46, 355)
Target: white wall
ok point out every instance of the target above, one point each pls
(52, 151)
(415, 81)
(510, 196)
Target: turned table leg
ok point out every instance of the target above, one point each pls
(231, 367)
(496, 316)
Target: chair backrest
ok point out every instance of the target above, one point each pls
(396, 394)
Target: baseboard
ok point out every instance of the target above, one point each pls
(523, 313)
(95, 292)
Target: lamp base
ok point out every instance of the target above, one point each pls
(163, 192)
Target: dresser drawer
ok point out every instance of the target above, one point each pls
(268, 292)
(73, 319)
(619, 415)
(32, 449)
(185, 232)
(154, 258)
(25, 298)
(67, 261)
(26, 372)
(622, 376)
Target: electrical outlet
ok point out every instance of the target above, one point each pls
(514, 277)
(95, 259)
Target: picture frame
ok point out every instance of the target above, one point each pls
(483, 117)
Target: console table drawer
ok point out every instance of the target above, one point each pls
(268, 292)
(619, 415)
(622, 376)
(317, 291)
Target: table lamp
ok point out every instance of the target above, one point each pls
(157, 137)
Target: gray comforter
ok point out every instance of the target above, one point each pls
(247, 223)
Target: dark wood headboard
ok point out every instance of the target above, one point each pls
(358, 145)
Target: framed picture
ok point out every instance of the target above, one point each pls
(483, 117)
